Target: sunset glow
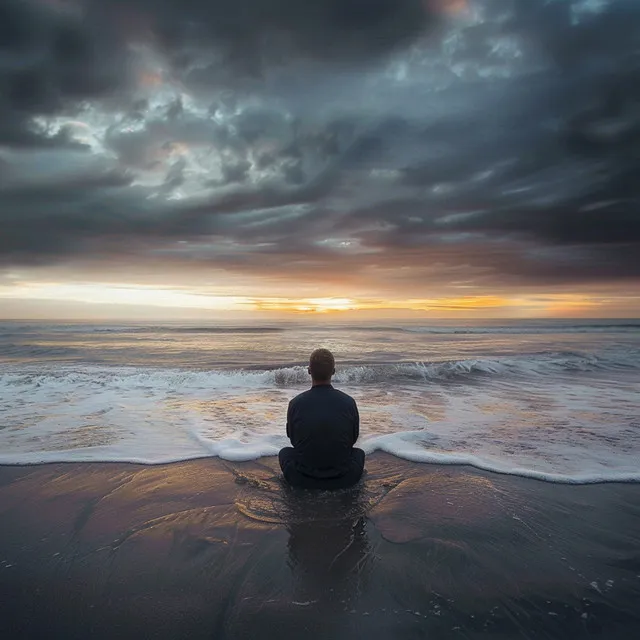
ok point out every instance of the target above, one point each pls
(105, 295)
(433, 165)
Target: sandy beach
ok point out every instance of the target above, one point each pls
(213, 549)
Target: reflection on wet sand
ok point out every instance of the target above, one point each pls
(209, 549)
(329, 551)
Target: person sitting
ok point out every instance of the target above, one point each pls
(323, 424)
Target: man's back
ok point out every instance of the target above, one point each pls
(323, 425)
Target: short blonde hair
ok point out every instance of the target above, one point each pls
(322, 364)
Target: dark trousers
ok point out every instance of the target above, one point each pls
(295, 478)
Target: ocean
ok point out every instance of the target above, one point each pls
(552, 400)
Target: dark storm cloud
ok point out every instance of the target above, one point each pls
(48, 59)
(54, 52)
(254, 29)
(328, 137)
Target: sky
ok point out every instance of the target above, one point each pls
(334, 158)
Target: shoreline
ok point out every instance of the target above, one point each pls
(209, 548)
(537, 476)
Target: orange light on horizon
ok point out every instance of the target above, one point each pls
(228, 299)
(462, 303)
(305, 305)
(329, 305)
(570, 305)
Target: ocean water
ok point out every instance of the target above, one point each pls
(554, 400)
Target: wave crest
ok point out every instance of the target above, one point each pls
(290, 376)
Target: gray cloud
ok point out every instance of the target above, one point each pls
(50, 58)
(254, 29)
(343, 137)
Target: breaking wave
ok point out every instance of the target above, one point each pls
(533, 365)
(569, 417)
(290, 376)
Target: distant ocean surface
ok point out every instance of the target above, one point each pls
(554, 400)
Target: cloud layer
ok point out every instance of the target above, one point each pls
(412, 143)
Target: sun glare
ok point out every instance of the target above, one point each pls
(194, 298)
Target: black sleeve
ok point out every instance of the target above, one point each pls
(289, 420)
(356, 422)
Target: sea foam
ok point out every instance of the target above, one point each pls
(561, 417)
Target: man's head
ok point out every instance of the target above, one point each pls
(321, 365)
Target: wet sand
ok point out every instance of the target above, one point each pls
(218, 550)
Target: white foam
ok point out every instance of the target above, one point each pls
(403, 446)
(576, 428)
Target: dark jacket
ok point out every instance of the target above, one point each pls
(323, 424)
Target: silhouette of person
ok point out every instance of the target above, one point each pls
(323, 425)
